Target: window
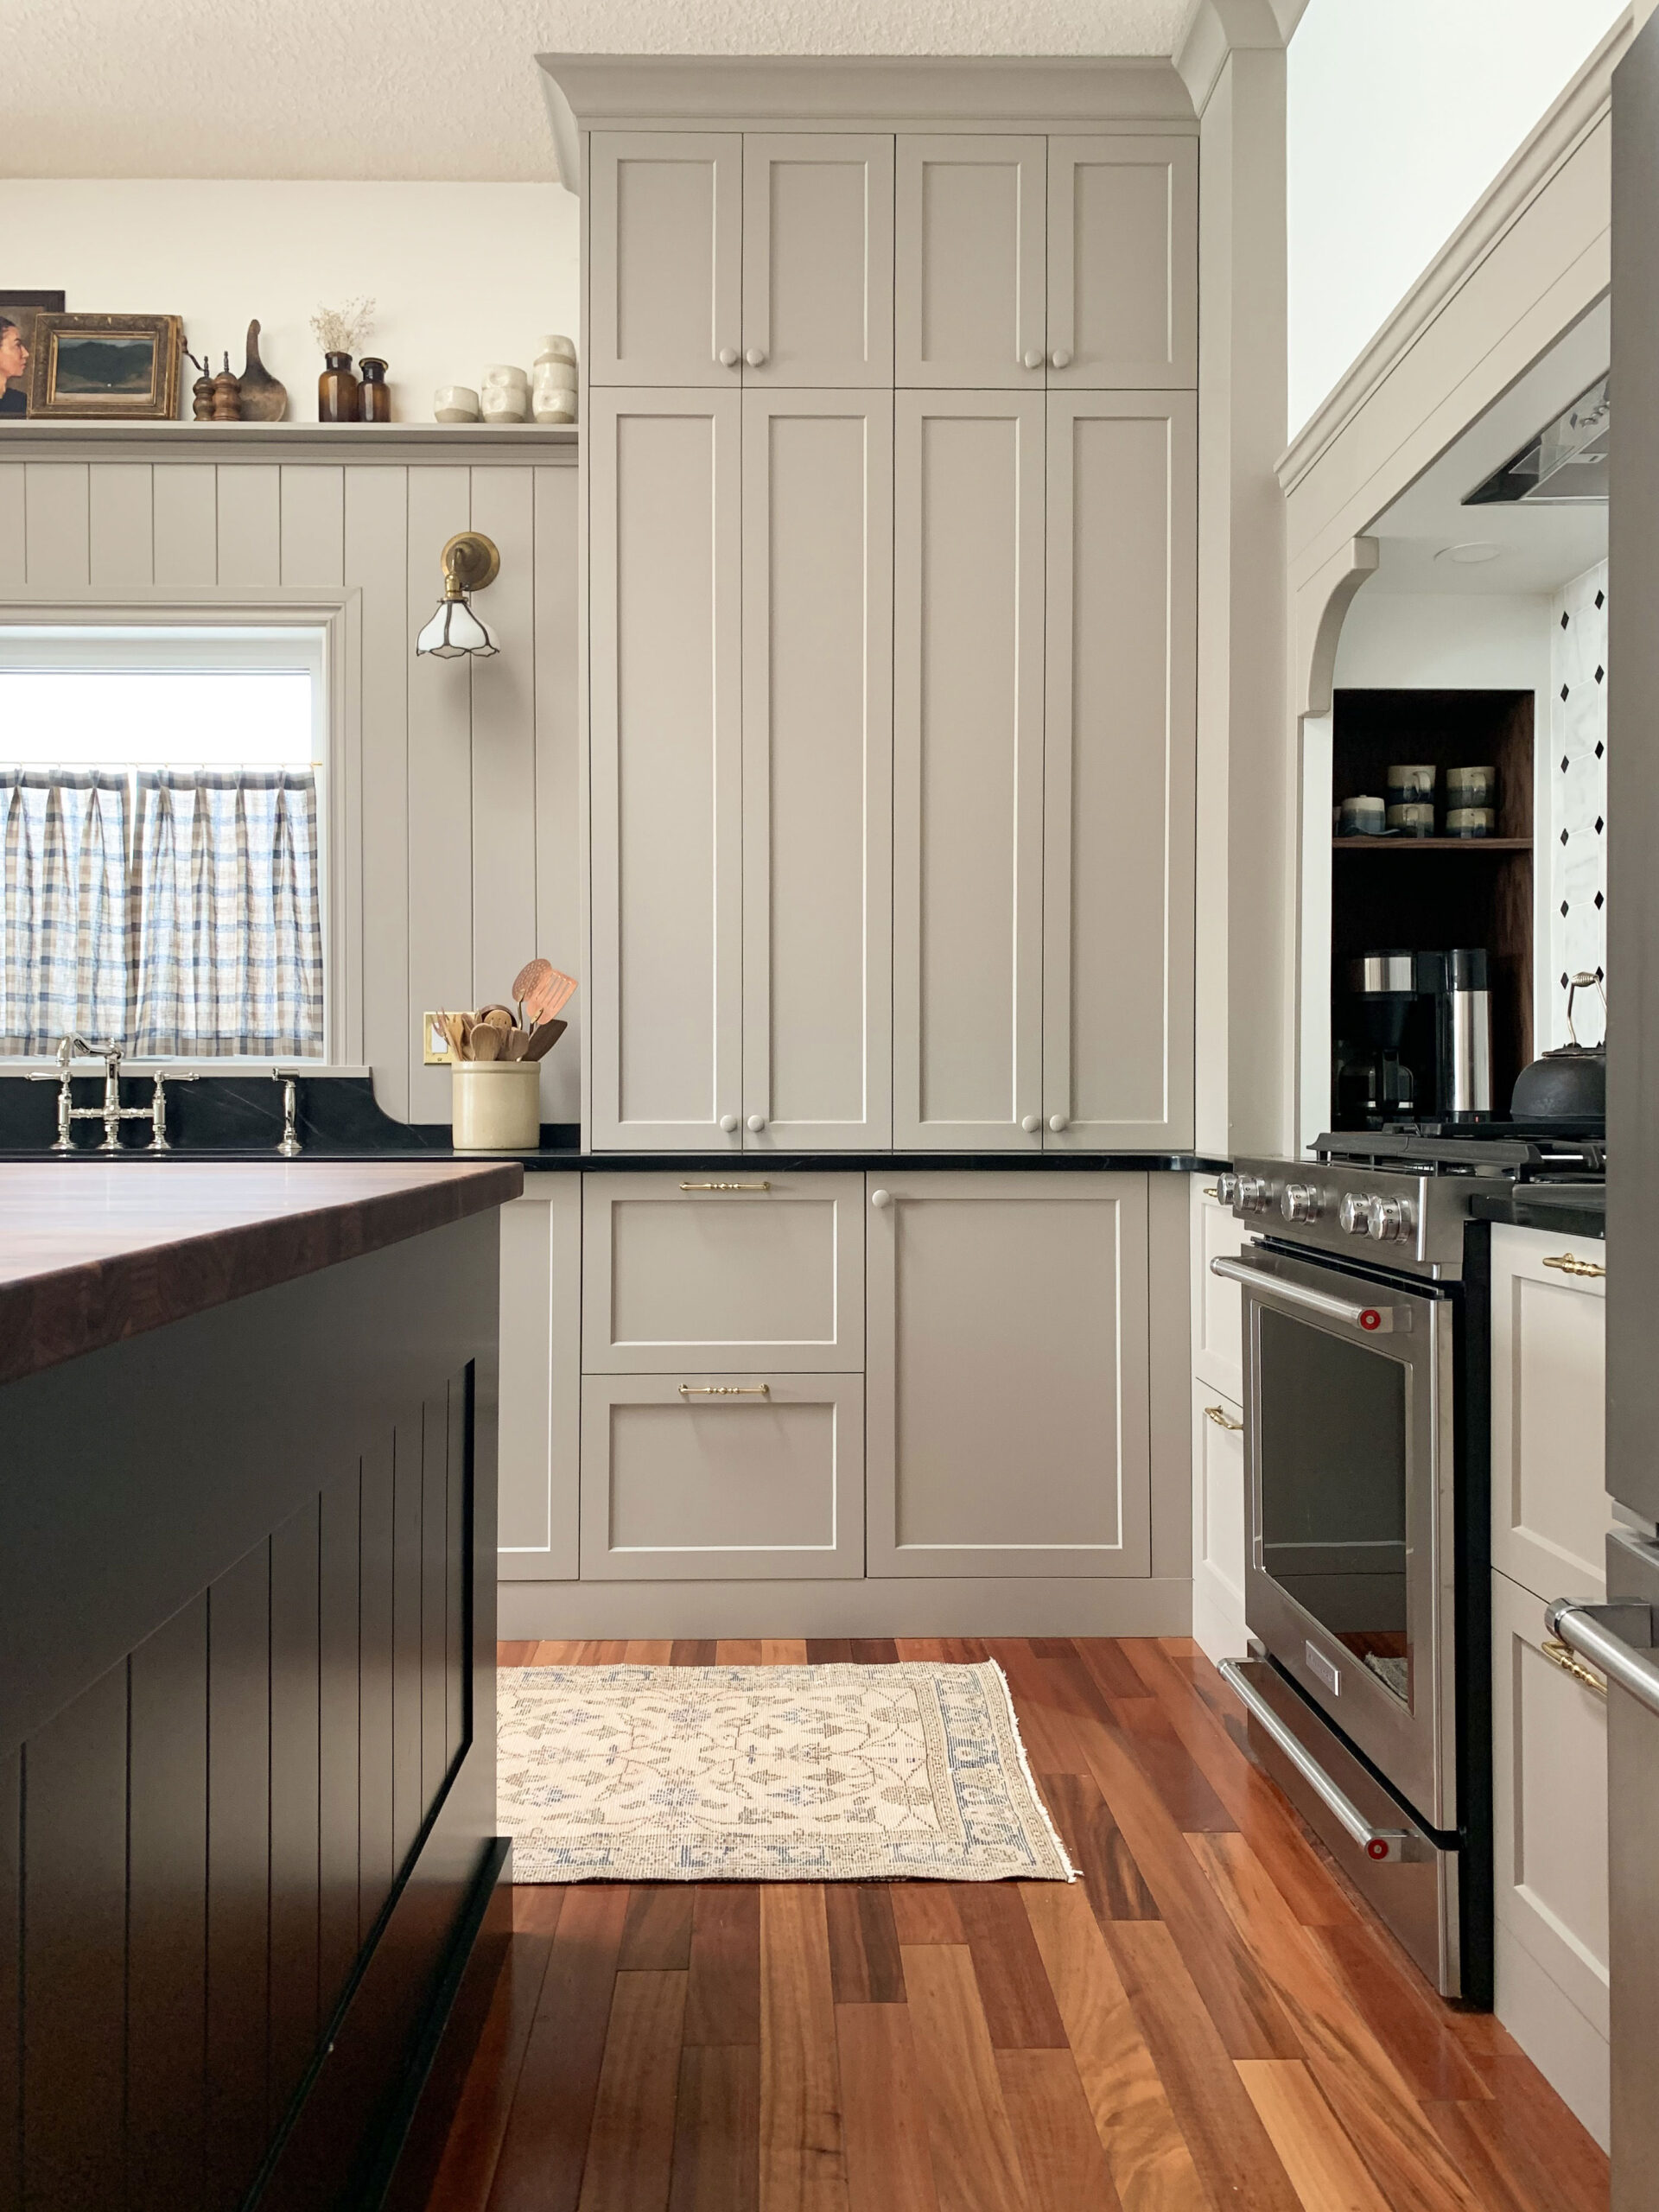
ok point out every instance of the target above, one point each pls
(161, 827)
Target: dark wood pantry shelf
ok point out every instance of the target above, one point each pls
(1431, 844)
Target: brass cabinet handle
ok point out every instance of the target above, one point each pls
(1211, 1190)
(1222, 1418)
(1563, 1656)
(724, 1186)
(725, 1389)
(1570, 1264)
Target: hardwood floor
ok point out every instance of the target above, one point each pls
(1208, 2022)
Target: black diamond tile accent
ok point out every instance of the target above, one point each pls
(1563, 910)
(1601, 601)
(1563, 979)
(1600, 825)
(1563, 690)
(1563, 618)
(1600, 901)
(1601, 975)
(1563, 836)
(1563, 764)
(1600, 748)
(1600, 672)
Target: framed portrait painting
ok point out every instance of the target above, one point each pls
(18, 312)
(110, 368)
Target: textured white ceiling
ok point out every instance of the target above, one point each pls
(427, 88)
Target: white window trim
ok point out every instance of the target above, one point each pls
(338, 617)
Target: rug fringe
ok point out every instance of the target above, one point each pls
(1060, 1852)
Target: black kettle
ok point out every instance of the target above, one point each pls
(1569, 1085)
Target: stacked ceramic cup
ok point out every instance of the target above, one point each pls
(504, 394)
(553, 387)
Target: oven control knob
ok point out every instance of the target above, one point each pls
(1300, 1202)
(1253, 1193)
(1389, 1220)
(1354, 1215)
(1226, 1190)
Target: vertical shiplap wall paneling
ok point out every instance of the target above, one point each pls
(185, 508)
(120, 524)
(311, 541)
(377, 563)
(250, 525)
(56, 524)
(13, 512)
(504, 740)
(439, 912)
(558, 757)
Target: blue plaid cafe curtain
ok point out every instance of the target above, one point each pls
(65, 907)
(226, 930)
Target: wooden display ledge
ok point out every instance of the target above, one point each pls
(1431, 844)
(354, 441)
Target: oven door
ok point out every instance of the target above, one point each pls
(1349, 1464)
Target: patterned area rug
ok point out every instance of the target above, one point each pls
(783, 1774)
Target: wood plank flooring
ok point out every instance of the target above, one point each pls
(1209, 2021)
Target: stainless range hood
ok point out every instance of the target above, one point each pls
(1566, 461)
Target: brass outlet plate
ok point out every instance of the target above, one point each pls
(435, 1045)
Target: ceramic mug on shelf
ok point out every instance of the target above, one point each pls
(504, 393)
(1361, 817)
(556, 348)
(1472, 787)
(454, 403)
(1413, 781)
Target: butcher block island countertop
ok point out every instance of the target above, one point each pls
(251, 1890)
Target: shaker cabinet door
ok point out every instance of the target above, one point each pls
(665, 258)
(817, 769)
(1550, 1508)
(970, 224)
(817, 259)
(1120, 738)
(665, 796)
(1007, 1375)
(1122, 263)
(968, 771)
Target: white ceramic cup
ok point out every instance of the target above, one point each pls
(555, 348)
(550, 373)
(506, 403)
(497, 372)
(556, 406)
(454, 403)
(495, 1105)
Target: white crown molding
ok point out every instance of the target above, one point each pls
(597, 91)
(1581, 107)
(1215, 29)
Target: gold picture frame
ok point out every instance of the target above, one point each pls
(105, 368)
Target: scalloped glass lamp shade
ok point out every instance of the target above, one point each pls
(454, 631)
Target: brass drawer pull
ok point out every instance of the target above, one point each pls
(1570, 1264)
(724, 1186)
(1212, 1190)
(1222, 1418)
(725, 1389)
(1560, 1655)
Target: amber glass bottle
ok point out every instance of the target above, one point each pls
(337, 391)
(374, 398)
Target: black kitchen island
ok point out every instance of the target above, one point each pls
(247, 1649)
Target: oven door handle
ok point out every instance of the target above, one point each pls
(1375, 1320)
(1611, 1636)
(1379, 1845)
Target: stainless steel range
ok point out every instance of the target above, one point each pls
(1366, 1466)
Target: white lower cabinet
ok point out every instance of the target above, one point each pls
(704, 1476)
(1008, 1371)
(1218, 1522)
(540, 1389)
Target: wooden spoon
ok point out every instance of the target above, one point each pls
(485, 1041)
(454, 1030)
(543, 1037)
(498, 1017)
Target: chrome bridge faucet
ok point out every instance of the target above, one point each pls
(111, 1113)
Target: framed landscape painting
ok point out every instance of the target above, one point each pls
(105, 367)
(18, 312)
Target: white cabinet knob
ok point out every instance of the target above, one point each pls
(728, 1122)
(1058, 1122)
(1033, 360)
(756, 356)
(881, 1200)
(1060, 358)
(727, 357)
(1031, 1123)
(756, 1122)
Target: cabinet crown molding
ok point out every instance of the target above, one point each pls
(1214, 28)
(597, 91)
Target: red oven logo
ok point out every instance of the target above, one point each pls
(1370, 1318)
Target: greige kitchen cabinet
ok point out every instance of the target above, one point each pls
(664, 290)
(731, 1270)
(1217, 1309)
(970, 273)
(540, 1413)
(817, 258)
(968, 769)
(1007, 1375)
(1120, 738)
(1550, 1509)
(723, 1474)
(1218, 1518)
(666, 769)
(817, 768)
(1122, 263)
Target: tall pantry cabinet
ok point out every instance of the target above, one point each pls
(891, 514)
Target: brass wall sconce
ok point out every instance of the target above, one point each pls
(471, 562)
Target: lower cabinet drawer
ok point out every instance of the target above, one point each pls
(711, 1475)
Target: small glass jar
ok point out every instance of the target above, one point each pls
(373, 397)
(337, 390)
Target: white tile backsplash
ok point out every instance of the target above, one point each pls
(1578, 798)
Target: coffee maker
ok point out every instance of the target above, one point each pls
(1415, 1039)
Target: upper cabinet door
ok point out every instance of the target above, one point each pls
(817, 768)
(665, 258)
(817, 259)
(968, 769)
(1118, 784)
(1122, 263)
(665, 794)
(969, 230)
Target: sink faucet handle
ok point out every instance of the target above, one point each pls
(289, 1148)
(160, 1079)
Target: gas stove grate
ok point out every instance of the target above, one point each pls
(1510, 1151)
